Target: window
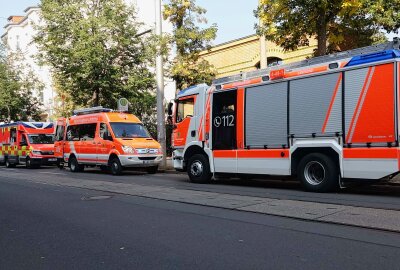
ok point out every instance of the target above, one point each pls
(59, 133)
(85, 132)
(13, 135)
(185, 109)
(129, 130)
(41, 139)
(23, 140)
(104, 132)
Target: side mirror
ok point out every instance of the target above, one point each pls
(109, 138)
(23, 144)
(170, 105)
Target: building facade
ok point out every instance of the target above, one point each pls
(18, 39)
(244, 54)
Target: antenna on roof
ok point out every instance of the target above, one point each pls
(91, 110)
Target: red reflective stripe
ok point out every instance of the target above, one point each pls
(384, 153)
(358, 104)
(261, 153)
(332, 102)
(224, 153)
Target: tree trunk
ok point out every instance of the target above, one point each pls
(96, 98)
(321, 35)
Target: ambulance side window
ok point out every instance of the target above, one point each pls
(104, 132)
(87, 132)
(224, 120)
(185, 109)
(13, 135)
(23, 140)
(73, 133)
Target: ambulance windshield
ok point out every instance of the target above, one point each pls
(129, 130)
(41, 139)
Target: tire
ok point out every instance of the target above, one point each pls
(60, 163)
(9, 165)
(115, 166)
(28, 163)
(318, 173)
(74, 166)
(152, 170)
(198, 169)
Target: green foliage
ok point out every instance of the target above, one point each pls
(17, 99)
(338, 24)
(189, 39)
(97, 54)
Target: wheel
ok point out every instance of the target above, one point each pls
(318, 173)
(74, 166)
(115, 166)
(9, 164)
(152, 170)
(28, 163)
(199, 169)
(104, 168)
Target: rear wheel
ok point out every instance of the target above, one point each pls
(74, 166)
(199, 169)
(318, 173)
(115, 166)
(152, 170)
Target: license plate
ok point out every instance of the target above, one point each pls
(147, 161)
(52, 159)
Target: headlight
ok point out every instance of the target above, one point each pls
(128, 149)
(36, 152)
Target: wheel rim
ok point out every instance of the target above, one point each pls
(314, 173)
(114, 167)
(196, 169)
(73, 166)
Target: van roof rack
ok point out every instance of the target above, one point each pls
(97, 109)
(392, 45)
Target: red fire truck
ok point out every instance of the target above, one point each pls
(324, 120)
(27, 143)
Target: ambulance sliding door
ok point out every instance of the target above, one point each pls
(224, 131)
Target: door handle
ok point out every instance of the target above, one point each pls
(193, 133)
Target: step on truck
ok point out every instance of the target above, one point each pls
(27, 143)
(109, 139)
(324, 120)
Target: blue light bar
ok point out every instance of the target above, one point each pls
(373, 57)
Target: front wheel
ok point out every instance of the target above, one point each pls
(199, 169)
(116, 167)
(9, 164)
(74, 166)
(318, 173)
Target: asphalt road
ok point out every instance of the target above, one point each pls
(51, 227)
(375, 196)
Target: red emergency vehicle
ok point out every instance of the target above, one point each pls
(109, 139)
(323, 120)
(27, 143)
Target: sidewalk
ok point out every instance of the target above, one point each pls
(320, 212)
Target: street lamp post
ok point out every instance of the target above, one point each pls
(160, 89)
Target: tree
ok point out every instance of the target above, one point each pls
(337, 24)
(18, 95)
(189, 39)
(96, 52)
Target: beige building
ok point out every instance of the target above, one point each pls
(243, 55)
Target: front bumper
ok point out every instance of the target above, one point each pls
(141, 161)
(177, 157)
(43, 160)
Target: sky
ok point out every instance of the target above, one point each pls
(234, 18)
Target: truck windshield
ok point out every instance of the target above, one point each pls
(41, 139)
(129, 130)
